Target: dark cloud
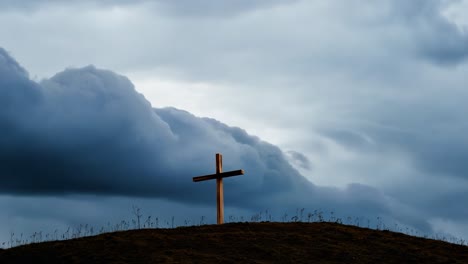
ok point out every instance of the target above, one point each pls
(430, 138)
(439, 155)
(91, 132)
(430, 132)
(87, 131)
(18, 90)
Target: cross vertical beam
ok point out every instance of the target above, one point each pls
(219, 190)
(219, 175)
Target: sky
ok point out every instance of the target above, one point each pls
(354, 107)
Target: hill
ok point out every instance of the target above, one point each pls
(243, 243)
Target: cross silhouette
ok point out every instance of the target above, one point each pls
(219, 184)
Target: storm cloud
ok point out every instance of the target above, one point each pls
(88, 132)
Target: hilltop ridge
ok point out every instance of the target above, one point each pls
(243, 243)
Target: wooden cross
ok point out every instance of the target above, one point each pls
(219, 184)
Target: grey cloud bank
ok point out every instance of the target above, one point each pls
(87, 131)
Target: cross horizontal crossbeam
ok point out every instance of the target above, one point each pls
(218, 175)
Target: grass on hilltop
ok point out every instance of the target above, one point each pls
(264, 242)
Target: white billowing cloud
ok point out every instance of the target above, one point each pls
(456, 13)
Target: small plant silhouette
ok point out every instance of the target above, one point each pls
(84, 230)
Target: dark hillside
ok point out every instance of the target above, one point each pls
(243, 243)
